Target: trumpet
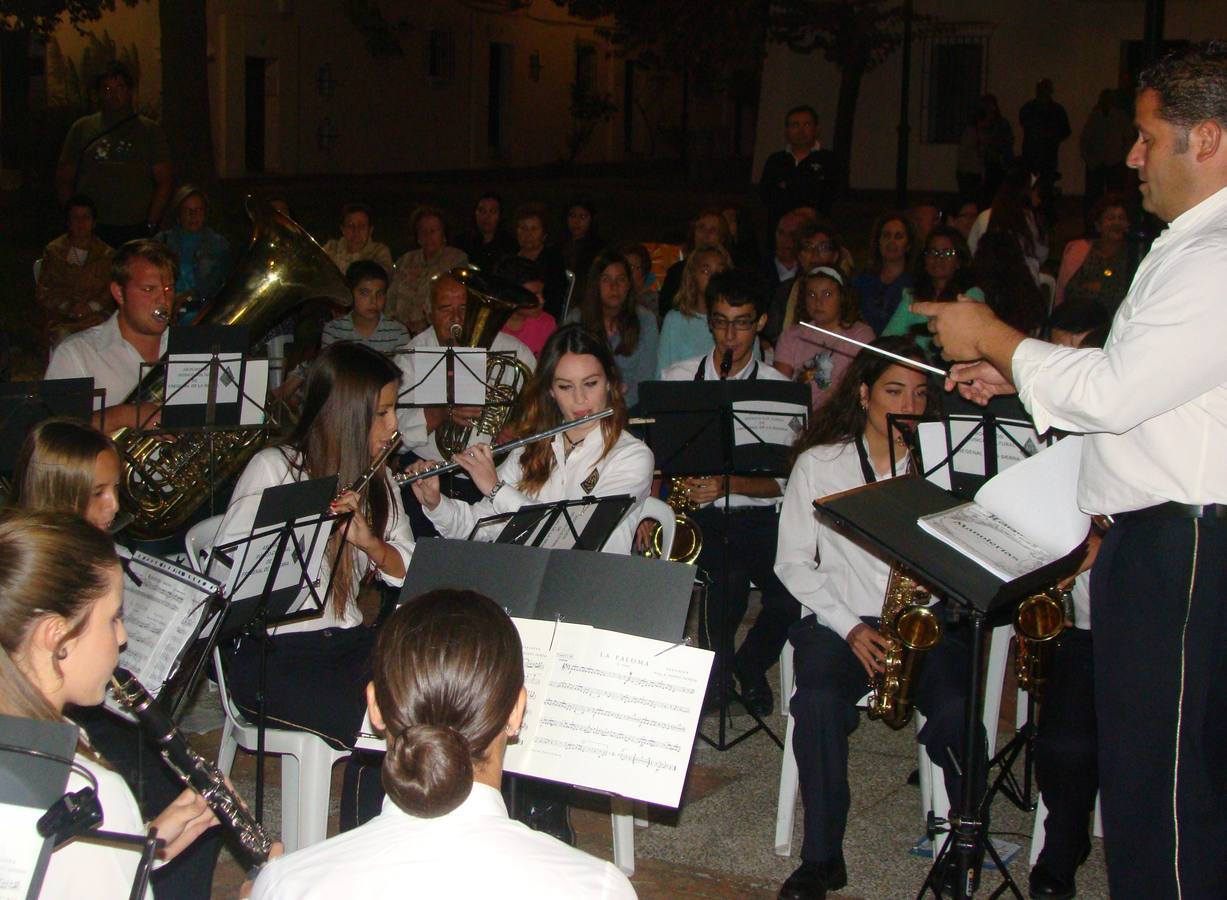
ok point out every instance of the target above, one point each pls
(441, 468)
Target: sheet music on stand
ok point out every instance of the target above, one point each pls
(209, 382)
(449, 376)
(584, 524)
(166, 607)
(23, 404)
(961, 451)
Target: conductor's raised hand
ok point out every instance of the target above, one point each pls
(958, 327)
(869, 647)
(478, 461)
(425, 489)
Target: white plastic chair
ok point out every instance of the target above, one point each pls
(1037, 831)
(199, 541)
(662, 512)
(38, 269)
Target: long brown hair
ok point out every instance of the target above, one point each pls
(842, 418)
(448, 670)
(690, 301)
(627, 318)
(51, 564)
(540, 411)
(332, 437)
(55, 466)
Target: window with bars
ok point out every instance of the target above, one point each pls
(954, 76)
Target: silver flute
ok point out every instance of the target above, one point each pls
(441, 468)
(253, 842)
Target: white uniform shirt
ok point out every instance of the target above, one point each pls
(270, 467)
(626, 469)
(412, 421)
(688, 368)
(103, 354)
(832, 576)
(85, 868)
(474, 851)
(1153, 402)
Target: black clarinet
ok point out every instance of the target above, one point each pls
(194, 771)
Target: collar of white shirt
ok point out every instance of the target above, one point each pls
(483, 802)
(1191, 219)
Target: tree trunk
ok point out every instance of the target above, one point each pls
(845, 119)
(15, 99)
(185, 90)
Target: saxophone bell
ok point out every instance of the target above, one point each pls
(1039, 620)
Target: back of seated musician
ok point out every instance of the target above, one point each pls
(143, 286)
(448, 693)
(448, 305)
(736, 313)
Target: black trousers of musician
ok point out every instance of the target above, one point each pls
(751, 557)
(316, 681)
(1159, 616)
(189, 876)
(1066, 759)
(830, 681)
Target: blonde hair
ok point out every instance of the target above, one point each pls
(55, 467)
(690, 300)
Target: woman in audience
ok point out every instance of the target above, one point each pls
(531, 238)
(803, 354)
(74, 281)
(61, 627)
(580, 240)
(944, 272)
(881, 286)
(448, 694)
(533, 325)
(409, 292)
(608, 309)
(1098, 268)
(487, 242)
(1014, 212)
(685, 333)
(204, 255)
(643, 280)
(708, 229)
(316, 667)
(356, 241)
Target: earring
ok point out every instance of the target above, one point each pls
(62, 653)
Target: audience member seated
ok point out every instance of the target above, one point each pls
(803, 354)
(74, 282)
(685, 332)
(531, 238)
(964, 216)
(708, 229)
(1082, 323)
(1098, 267)
(1014, 212)
(609, 310)
(204, 255)
(880, 286)
(925, 215)
(943, 272)
(409, 293)
(365, 322)
(742, 243)
(532, 326)
(448, 694)
(487, 242)
(580, 240)
(1001, 271)
(817, 245)
(356, 240)
(784, 265)
(643, 279)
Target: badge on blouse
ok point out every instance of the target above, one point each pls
(590, 482)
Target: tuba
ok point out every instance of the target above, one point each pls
(912, 628)
(165, 480)
(688, 538)
(490, 303)
(1040, 619)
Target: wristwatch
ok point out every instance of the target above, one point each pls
(498, 486)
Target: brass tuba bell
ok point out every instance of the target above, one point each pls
(490, 302)
(165, 481)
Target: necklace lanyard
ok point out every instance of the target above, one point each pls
(701, 373)
(866, 466)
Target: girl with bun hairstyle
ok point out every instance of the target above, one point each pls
(448, 693)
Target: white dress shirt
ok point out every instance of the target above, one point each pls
(412, 421)
(271, 467)
(101, 353)
(474, 851)
(626, 469)
(833, 576)
(1153, 402)
(87, 868)
(686, 371)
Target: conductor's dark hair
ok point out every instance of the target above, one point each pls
(1191, 86)
(737, 287)
(448, 671)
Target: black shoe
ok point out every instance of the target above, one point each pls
(1045, 885)
(811, 880)
(758, 699)
(550, 817)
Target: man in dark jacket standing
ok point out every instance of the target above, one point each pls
(802, 174)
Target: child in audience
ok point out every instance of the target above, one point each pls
(365, 322)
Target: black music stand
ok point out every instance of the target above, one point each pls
(23, 404)
(885, 513)
(725, 428)
(290, 517)
(584, 524)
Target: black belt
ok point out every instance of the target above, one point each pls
(1173, 510)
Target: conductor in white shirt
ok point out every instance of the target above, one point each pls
(1153, 404)
(448, 694)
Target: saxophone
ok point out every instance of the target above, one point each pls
(193, 770)
(1039, 620)
(911, 628)
(688, 538)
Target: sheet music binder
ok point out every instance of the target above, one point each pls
(885, 513)
(629, 594)
(531, 525)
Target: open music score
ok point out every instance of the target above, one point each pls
(606, 711)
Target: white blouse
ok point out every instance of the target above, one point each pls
(271, 467)
(626, 469)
